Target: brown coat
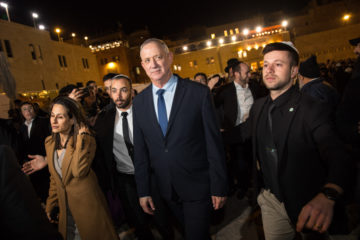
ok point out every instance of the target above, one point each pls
(79, 190)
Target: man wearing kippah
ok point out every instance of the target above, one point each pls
(302, 168)
(312, 84)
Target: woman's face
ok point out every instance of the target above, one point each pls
(59, 119)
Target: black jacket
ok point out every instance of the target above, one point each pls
(21, 216)
(35, 145)
(226, 99)
(322, 91)
(310, 153)
(104, 163)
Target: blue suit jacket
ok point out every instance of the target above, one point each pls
(190, 159)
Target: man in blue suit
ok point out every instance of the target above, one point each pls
(177, 144)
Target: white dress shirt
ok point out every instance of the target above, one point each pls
(245, 100)
(29, 126)
(124, 164)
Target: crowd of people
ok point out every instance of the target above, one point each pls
(286, 137)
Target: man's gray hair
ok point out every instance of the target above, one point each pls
(160, 42)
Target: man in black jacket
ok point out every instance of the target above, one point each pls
(312, 84)
(302, 167)
(33, 132)
(114, 158)
(236, 99)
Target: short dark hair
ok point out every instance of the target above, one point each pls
(278, 46)
(122, 76)
(90, 82)
(237, 67)
(65, 91)
(26, 103)
(201, 74)
(109, 76)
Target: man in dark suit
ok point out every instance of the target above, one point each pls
(114, 158)
(301, 165)
(177, 144)
(236, 99)
(33, 132)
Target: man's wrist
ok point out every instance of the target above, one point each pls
(331, 193)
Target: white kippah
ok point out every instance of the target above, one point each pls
(290, 44)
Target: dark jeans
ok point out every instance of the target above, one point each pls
(136, 216)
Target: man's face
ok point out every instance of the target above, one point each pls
(277, 71)
(28, 112)
(201, 79)
(156, 63)
(107, 86)
(231, 74)
(244, 74)
(357, 50)
(121, 93)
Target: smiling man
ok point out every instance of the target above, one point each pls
(177, 144)
(303, 167)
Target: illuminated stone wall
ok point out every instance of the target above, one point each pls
(212, 60)
(35, 59)
(331, 44)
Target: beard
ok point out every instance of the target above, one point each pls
(123, 104)
(279, 85)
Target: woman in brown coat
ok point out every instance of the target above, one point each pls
(83, 211)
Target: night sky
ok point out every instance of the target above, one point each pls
(161, 17)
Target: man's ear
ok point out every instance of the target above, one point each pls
(294, 71)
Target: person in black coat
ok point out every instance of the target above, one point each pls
(22, 216)
(312, 84)
(114, 165)
(33, 132)
(236, 99)
(302, 167)
(177, 144)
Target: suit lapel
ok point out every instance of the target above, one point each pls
(234, 101)
(109, 127)
(288, 114)
(67, 159)
(179, 94)
(149, 100)
(50, 150)
(33, 126)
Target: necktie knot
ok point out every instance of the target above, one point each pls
(124, 114)
(160, 92)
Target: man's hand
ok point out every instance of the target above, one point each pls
(316, 215)
(147, 205)
(218, 202)
(37, 163)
